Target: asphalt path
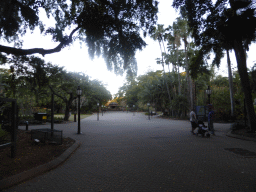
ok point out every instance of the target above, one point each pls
(128, 152)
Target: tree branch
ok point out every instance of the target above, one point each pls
(17, 51)
(58, 95)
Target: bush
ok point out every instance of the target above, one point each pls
(3, 134)
(26, 117)
(29, 118)
(56, 120)
(238, 125)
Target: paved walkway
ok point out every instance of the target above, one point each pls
(123, 152)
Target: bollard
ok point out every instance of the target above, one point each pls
(26, 125)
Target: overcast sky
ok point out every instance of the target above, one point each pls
(75, 58)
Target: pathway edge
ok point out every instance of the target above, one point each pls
(26, 175)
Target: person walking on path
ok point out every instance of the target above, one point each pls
(210, 119)
(193, 121)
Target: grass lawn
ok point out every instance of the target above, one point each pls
(71, 118)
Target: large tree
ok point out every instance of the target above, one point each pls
(109, 27)
(157, 33)
(216, 25)
(64, 84)
(184, 34)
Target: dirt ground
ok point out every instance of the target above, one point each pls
(29, 154)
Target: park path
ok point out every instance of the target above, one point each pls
(127, 152)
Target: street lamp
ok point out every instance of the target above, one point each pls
(209, 92)
(98, 111)
(133, 110)
(75, 111)
(148, 111)
(79, 93)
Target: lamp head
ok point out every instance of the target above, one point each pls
(79, 91)
(208, 91)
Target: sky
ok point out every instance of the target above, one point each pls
(75, 57)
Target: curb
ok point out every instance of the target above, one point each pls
(26, 175)
(229, 134)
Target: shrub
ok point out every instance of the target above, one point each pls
(3, 134)
(26, 117)
(238, 125)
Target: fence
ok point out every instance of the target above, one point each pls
(12, 118)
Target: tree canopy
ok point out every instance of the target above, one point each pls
(109, 27)
(216, 25)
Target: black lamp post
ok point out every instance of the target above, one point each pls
(79, 93)
(209, 92)
(75, 111)
(133, 110)
(148, 111)
(98, 111)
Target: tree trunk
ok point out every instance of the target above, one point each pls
(179, 88)
(68, 104)
(189, 95)
(191, 92)
(179, 83)
(167, 87)
(242, 69)
(230, 78)
(66, 117)
(36, 97)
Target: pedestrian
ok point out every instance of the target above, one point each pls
(193, 120)
(210, 119)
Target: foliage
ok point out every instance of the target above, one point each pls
(129, 91)
(150, 88)
(110, 28)
(98, 93)
(180, 104)
(65, 85)
(32, 82)
(25, 117)
(253, 78)
(213, 24)
(3, 134)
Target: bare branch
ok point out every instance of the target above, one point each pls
(16, 51)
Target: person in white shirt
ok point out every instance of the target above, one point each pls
(193, 120)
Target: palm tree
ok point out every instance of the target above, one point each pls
(176, 45)
(217, 24)
(184, 33)
(157, 34)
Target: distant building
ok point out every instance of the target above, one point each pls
(113, 106)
